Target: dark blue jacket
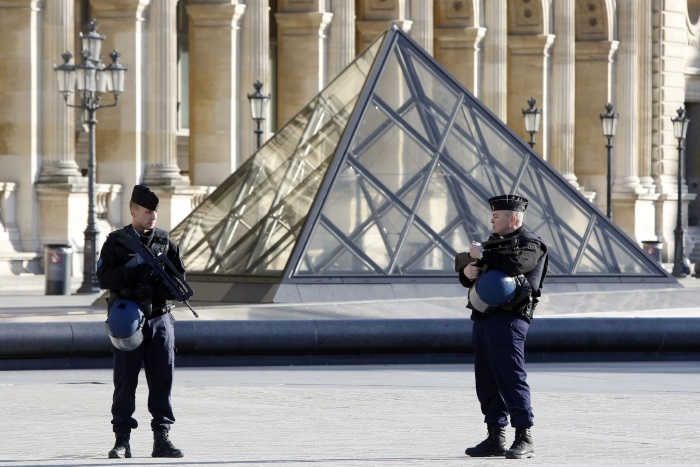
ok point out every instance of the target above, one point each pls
(529, 258)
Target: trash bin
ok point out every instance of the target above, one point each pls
(57, 269)
(653, 249)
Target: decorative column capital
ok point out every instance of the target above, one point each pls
(304, 23)
(33, 5)
(215, 15)
(460, 38)
(531, 45)
(596, 51)
(132, 9)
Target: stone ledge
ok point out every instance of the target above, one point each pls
(655, 337)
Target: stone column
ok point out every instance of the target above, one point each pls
(625, 162)
(563, 102)
(593, 88)
(458, 43)
(495, 46)
(645, 87)
(20, 91)
(120, 132)
(341, 37)
(529, 55)
(255, 65)
(162, 172)
(634, 211)
(375, 17)
(301, 34)
(58, 120)
(61, 190)
(422, 30)
(214, 103)
(670, 37)
(161, 96)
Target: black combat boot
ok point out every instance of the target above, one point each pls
(493, 445)
(163, 447)
(522, 447)
(121, 447)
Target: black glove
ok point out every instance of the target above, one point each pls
(142, 274)
(462, 260)
(140, 292)
(159, 289)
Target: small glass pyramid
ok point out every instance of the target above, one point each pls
(384, 176)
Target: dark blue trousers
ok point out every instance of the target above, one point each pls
(499, 369)
(157, 355)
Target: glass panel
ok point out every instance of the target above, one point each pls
(350, 207)
(234, 259)
(419, 255)
(379, 239)
(275, 258)
(505, 155)
(413, 118)
(473, 214)
(373, 122)
(326, 253)
(392, 87)
(605, 255)
(394, 158)
(322, 245)
(437, 207)
(554, 215)
(469, 159)
(433, 86)
(348, 263)
(437, 99)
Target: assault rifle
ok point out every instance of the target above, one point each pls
(162, 267)
(462, 260)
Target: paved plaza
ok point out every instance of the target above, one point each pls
(621, 413)
(586, 414)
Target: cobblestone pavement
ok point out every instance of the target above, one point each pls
(585, 414)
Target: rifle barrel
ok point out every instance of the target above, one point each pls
(191, 309)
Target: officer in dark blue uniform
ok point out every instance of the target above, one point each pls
(123, 273)
(499, 332)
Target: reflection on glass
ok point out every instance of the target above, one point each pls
(409, 193)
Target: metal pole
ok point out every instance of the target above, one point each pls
(609, 146)
(258, 132)
(90, 284)
(532, 140)
(680, 268)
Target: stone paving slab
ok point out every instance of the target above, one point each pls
(585, 414)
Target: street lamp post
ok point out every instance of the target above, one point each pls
(681, 266)
(532, 117)
(609, 120)
(258, 109)
(90, 79)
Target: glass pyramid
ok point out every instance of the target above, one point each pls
(384, 176)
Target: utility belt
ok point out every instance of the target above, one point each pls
(160, 311)
(486, 298)
(526, 309)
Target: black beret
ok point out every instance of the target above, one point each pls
(144, 196)
(508, 203)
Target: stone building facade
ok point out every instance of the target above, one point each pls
(183, 123)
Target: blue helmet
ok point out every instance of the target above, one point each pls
(493, 289)
(125, 321)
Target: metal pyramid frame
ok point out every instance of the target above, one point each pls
(371, 190)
